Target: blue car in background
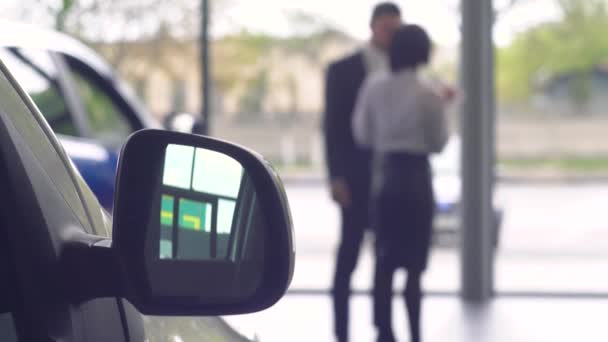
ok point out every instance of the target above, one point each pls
(85, 104)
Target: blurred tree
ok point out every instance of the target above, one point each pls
(576, 44)
(251, 104)
(145, 38)
(62, 13)
(240, 54)
(112, 19)
(245, 55)
(117, 22)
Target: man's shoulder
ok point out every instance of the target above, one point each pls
(354, 59)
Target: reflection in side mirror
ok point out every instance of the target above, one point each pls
(199, 219)
(208, 211)
(202, 226)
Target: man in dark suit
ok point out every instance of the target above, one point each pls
(349, 166)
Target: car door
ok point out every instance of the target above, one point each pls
(44, 200)
(8, 330)
(45, 77)
(111, 118)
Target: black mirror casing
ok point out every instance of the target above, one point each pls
(136, 201)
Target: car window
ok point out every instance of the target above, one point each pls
(37, 74)
(106, 121)
(51, 158)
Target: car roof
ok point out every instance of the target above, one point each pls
(29, 36)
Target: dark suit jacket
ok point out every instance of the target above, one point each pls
(344, 158)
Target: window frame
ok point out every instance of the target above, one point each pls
(62, 85)
(88, 73)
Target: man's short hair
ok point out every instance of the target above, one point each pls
(385, 8)
(411, 47)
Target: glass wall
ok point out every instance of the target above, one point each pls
(552, 151)
(269, 57)
(269, 80)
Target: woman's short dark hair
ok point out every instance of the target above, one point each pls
(411, 47)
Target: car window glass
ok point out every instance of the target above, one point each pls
(7, 328)
(102, 221)
(107, 122)
(25, 122)
(36, 73)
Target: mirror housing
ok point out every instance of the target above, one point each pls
(193, 284)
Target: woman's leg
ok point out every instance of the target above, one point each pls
(413, 301)
(383, 220)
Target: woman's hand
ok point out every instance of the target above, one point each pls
(448, 93)
(444, 91)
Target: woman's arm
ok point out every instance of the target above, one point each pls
(436, 126)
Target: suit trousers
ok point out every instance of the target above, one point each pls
(355, 220)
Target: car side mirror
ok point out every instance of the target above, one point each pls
(201, 226)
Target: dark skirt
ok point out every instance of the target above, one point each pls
(402, 209)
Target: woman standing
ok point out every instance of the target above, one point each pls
(402, 119)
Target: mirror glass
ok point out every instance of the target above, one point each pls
(198, 203)
(207, 212)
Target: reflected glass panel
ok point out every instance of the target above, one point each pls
(214, 173)
(198, 204)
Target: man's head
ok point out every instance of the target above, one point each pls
(386, 19)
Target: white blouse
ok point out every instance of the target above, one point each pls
(397, 112)
(375, 59)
